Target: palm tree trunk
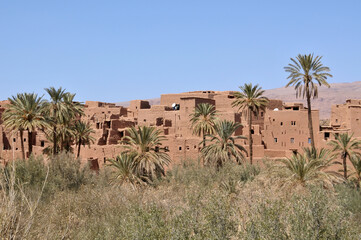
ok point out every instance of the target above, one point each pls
(250, 136)
(309, 111)
(22, 143)
(54, 140)
(344, 157)
(204, 139)
(30, 142)
(79, 145)
(61, 143)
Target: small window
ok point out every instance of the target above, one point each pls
(276, 140)
(14, 139)
(180, 148)
(281, 123)
(16, 148)
(336, 120)
(252, 131)
(24, 139)
(309, 140)
(293, 123)
(274, 119)
(187, 147)
(195, 146)
(144, 120)
(261, 114)
(42, 143)
(292, 140)
(327, 135)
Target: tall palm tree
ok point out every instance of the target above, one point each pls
(82, 134)
(25, 112)
(72, 114)
(222, 145)
(305, 73)
(346, 145)
(251, 100)
(308, 168)
(203, 119)
(56, 110)
(150, 158)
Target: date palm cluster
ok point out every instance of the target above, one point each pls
(59, 118)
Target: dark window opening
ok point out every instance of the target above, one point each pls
(294, 152)
(276, 140)
(98, 125)
(187, 147)
(281, 123)
(24, 139)
(122, 134)
(180, 148)
(42, 143)
(261, 114)
(292, 140)
(230, 96)
(252, 131)
(327, 135)
(107, 124)
(156, 149)
(14, 139)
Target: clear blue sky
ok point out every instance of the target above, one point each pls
(121, 50)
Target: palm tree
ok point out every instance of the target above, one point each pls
(72, 114)
(308, 168)
(356, 163)
(306, 72)
(252, 100)
(25, 112)
(203, 119)
(346, 145)
(82, 134)
(150, 159)
(125, 170)
(56, 110)
(223, 147)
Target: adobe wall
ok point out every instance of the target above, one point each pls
(288, 129)
(277, 131)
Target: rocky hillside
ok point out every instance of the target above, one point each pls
(337, 94)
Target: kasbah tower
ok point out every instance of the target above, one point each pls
(278, 131)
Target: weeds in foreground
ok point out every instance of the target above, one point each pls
(188, 204)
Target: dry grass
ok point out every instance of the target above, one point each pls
(237, 202)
